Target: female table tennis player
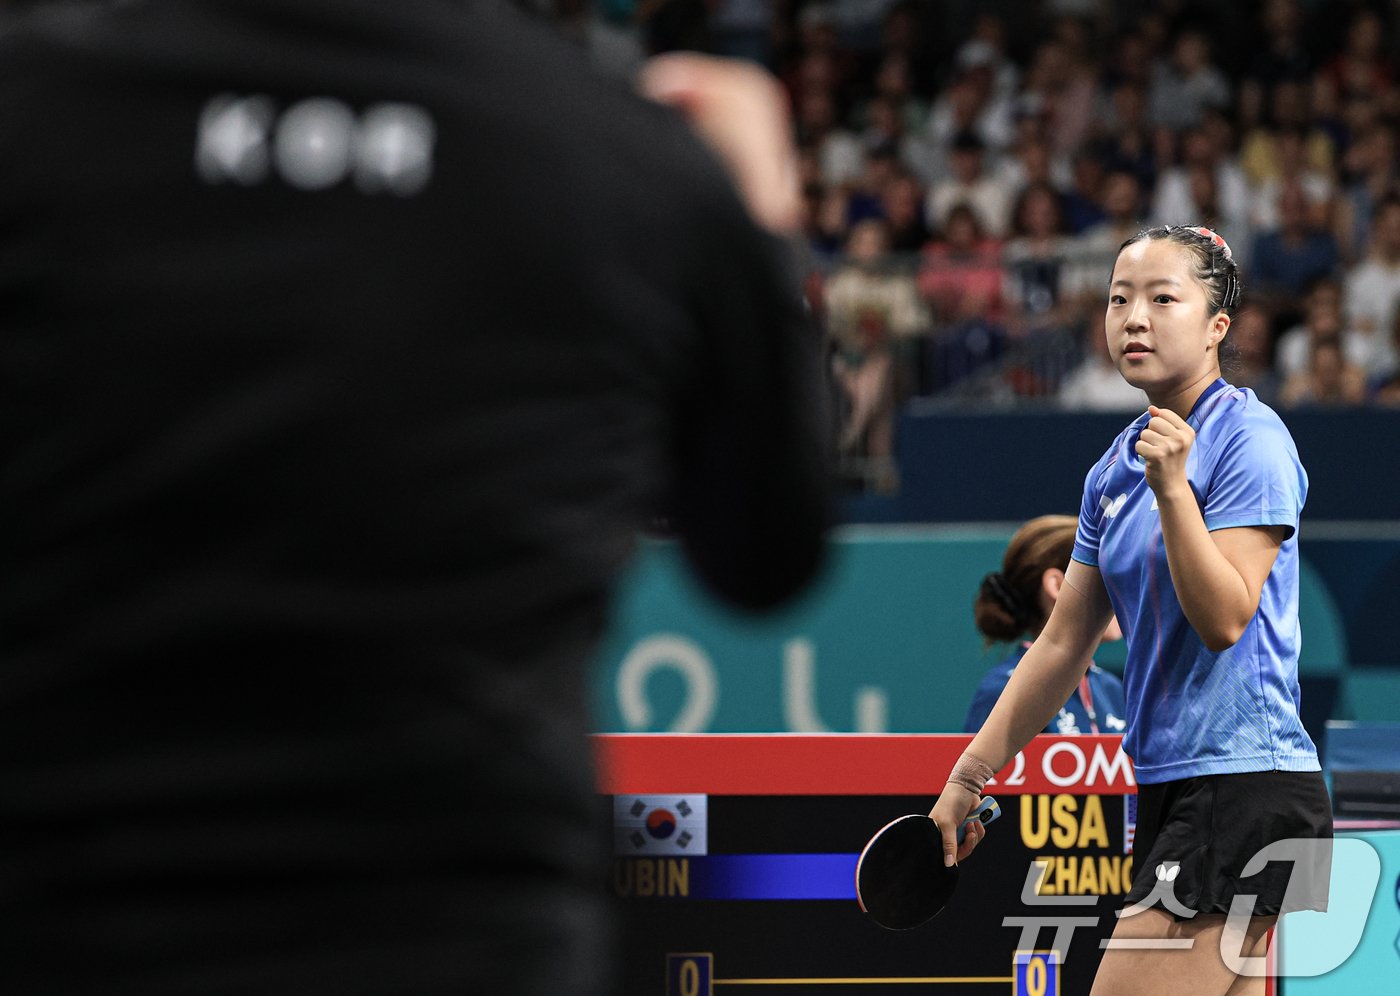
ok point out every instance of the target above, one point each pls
(1015, 602)
(1187, 533)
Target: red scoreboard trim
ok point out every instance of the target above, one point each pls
(848, 764)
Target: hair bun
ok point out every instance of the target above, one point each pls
(996, 587)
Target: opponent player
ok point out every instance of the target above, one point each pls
(1187, 533)
(344, 347)
(1015, 602)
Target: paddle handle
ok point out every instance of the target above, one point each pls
(984, 814)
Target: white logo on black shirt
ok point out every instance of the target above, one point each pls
(315, 144)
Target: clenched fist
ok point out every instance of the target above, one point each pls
(1164, 444)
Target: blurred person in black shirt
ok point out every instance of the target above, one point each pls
(344, 346)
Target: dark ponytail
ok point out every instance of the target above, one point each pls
(1008, 601)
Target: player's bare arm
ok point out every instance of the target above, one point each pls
(1218, 576)
(1046, 676)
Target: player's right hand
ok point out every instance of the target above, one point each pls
(954, 806)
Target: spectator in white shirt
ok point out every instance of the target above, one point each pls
(1186, 86)
(1174, 203)
(1093, 252)
(1322, 319)
(840, 153)
(970, 184)
(1096, 385)
(1372, 291)
(972, 103)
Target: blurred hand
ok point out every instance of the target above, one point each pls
(742, 112)
(955, 804)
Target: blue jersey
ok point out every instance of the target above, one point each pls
(1100, 704)
(1192, 711)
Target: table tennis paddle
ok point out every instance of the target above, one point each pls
(901, 880)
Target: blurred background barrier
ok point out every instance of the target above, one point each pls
(975, 465)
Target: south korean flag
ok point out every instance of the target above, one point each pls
(660, 824)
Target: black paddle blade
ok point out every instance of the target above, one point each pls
(901, 880)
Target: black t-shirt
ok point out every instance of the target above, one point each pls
(344, 344)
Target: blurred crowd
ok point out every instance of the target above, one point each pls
(970, 169)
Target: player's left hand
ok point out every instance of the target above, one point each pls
(1164, 445)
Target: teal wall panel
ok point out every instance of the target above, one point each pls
(883, 642)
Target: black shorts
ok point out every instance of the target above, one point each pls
(1195, 836)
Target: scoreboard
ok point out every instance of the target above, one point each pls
(734, 865)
